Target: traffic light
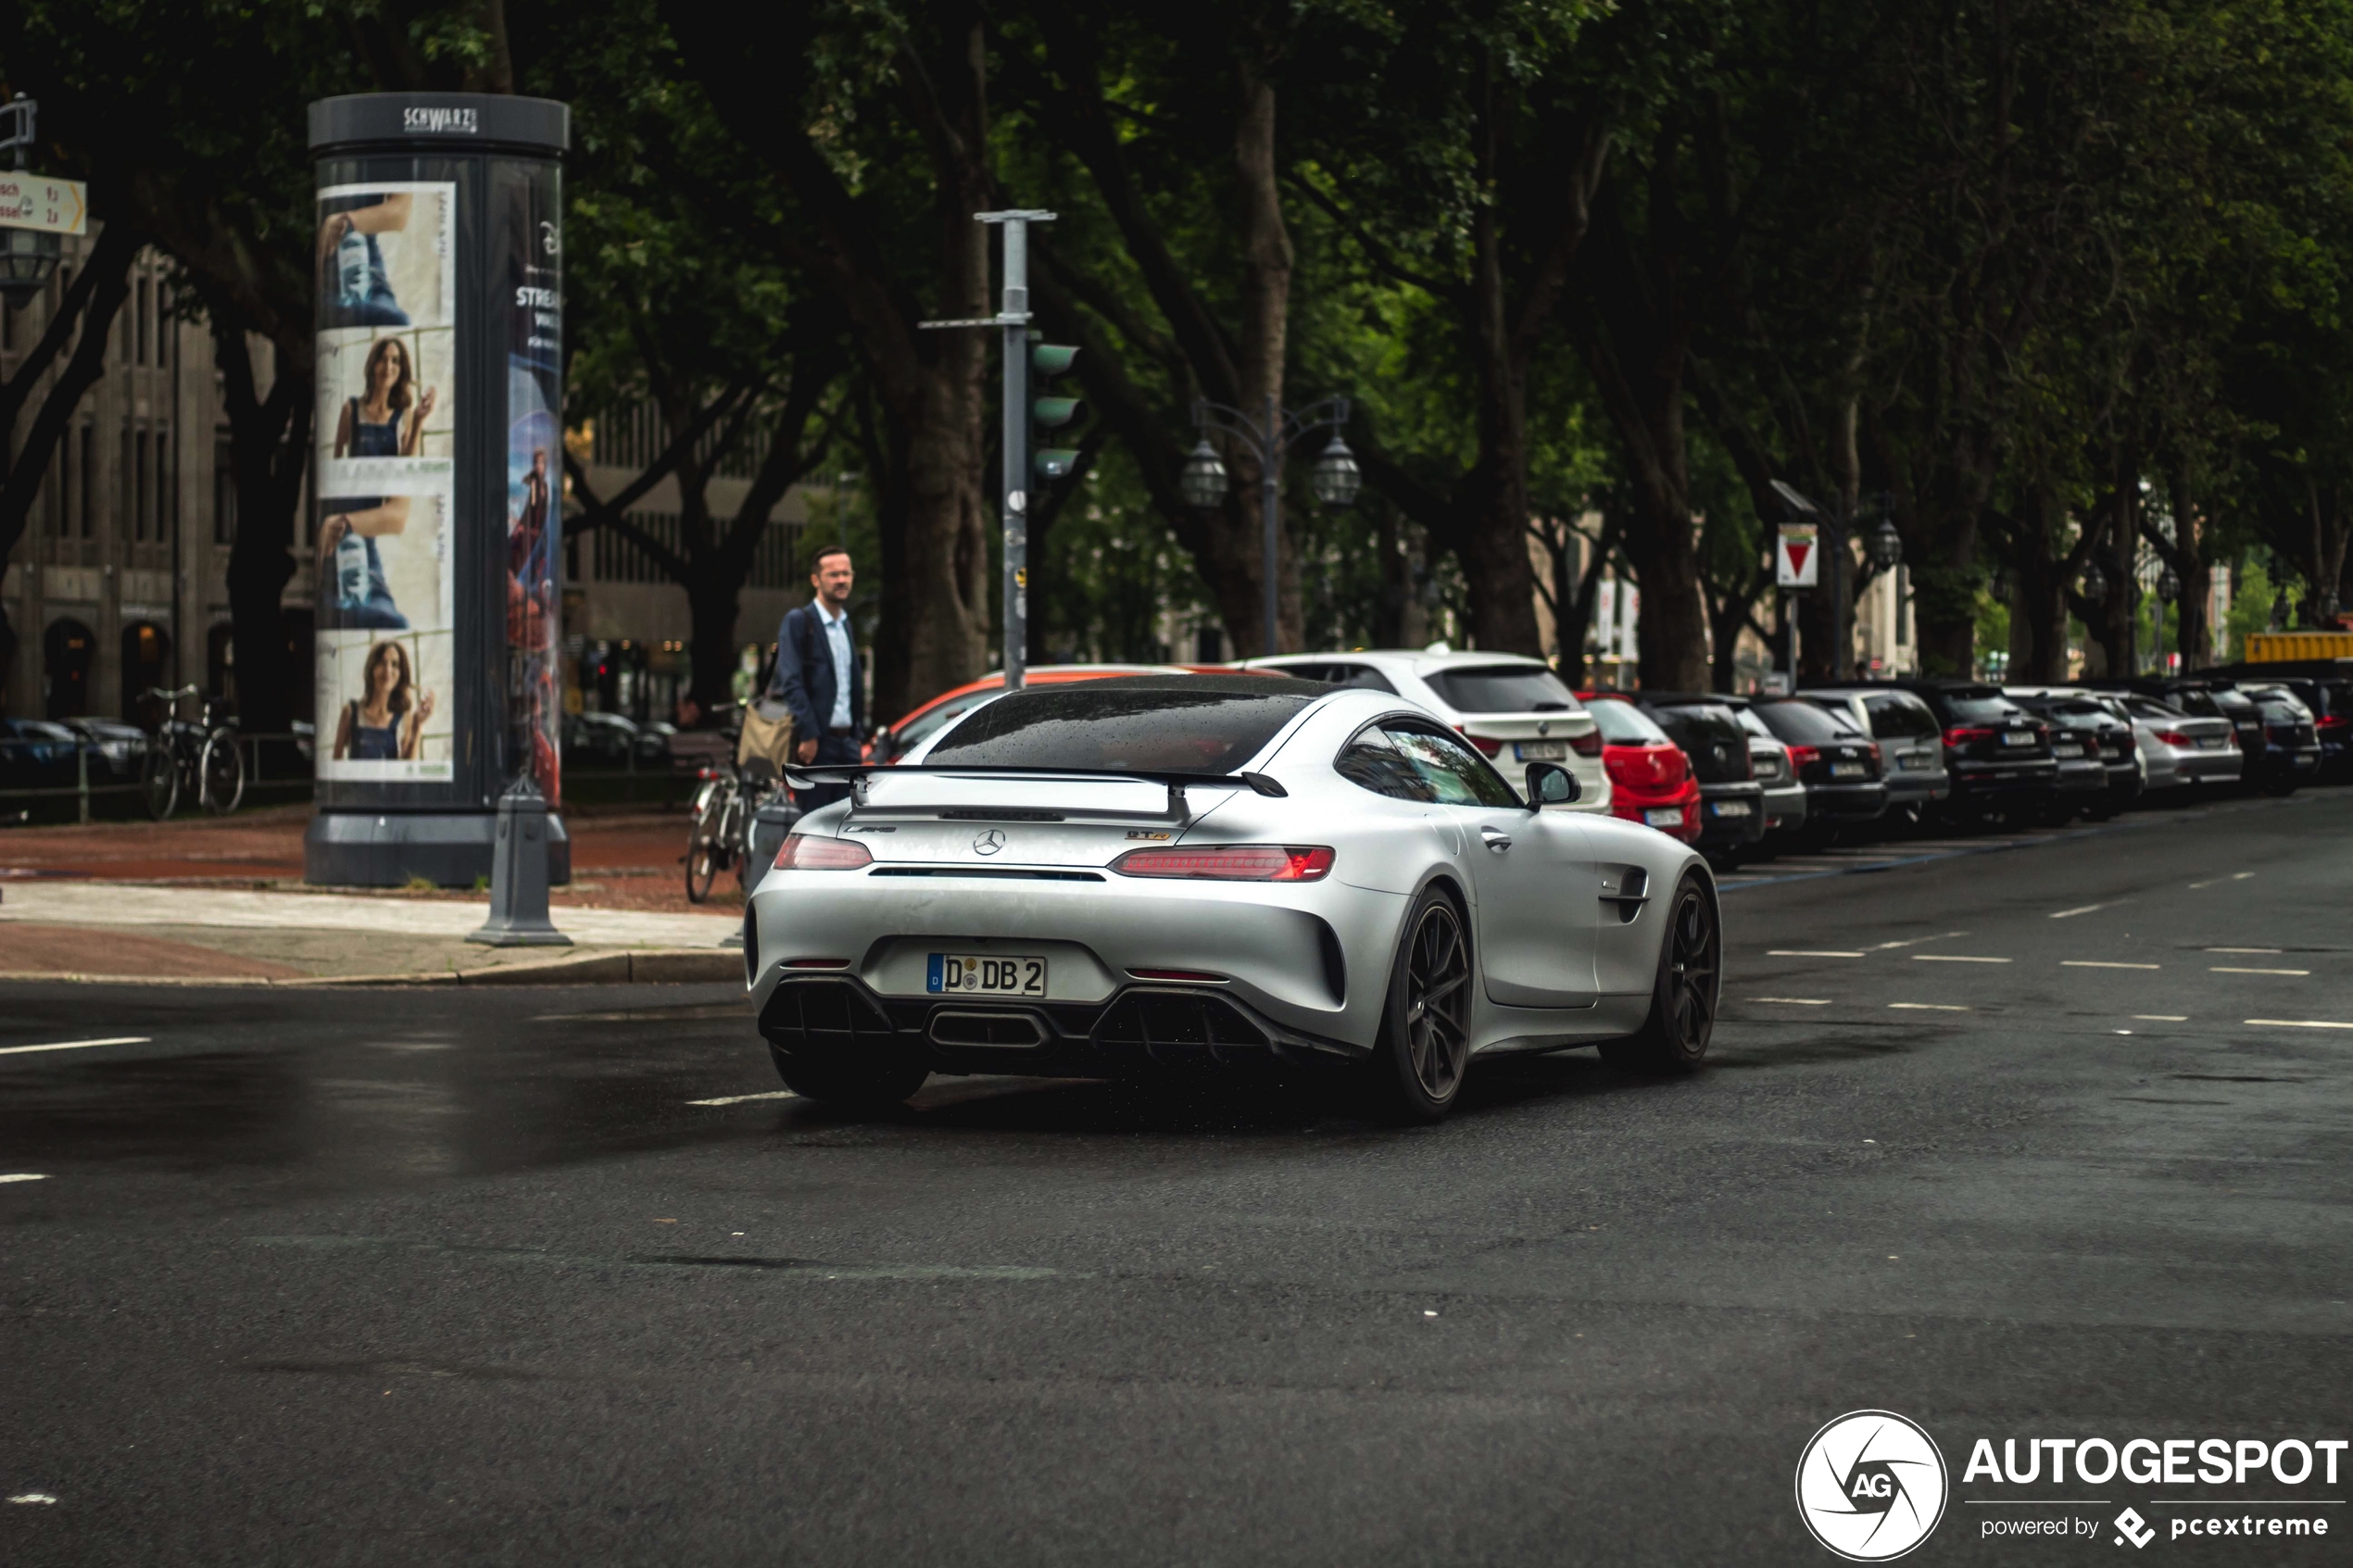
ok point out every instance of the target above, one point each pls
(1048, 360)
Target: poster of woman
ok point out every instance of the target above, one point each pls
(385, 407)
(387, 255)
(385, 722)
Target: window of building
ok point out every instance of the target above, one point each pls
(142, 320)
(140, 480)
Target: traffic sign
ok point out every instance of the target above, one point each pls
(1797, 561)
(35, 201)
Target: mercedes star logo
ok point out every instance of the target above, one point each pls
(990, 843)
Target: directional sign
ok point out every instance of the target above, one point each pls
(1797, 563)
(35, 201)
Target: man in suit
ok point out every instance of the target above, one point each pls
(817, 675)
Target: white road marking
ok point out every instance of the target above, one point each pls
(1916, 941)
(738, 1099)
(33, 1497)
(77, 1044)
(2095, 963)
(1952, 958)
(23, 1177)
(2242, 949)
(2297, 1024)
(1807, 953)
(2071, 914)
(1927, 1007)
(1796, 1001)
(2234, 876)
(2233, 968)
(2162, 1017)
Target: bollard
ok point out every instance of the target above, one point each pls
(519, 874)
(82, 776)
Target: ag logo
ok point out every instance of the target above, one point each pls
(988, 843)
(1872, 1486)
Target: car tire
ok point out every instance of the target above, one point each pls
(863, 1084)
(1687, 993)
(1423, 1050)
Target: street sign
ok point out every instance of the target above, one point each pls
(1798, 562)
(35, 201)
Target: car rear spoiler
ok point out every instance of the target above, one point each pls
(858, 774)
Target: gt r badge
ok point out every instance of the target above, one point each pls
(1155, 837)
(989, 842)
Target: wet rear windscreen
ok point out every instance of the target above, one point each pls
(1986, 707)
(1802, 724)
(1198, 724)
(1622, 724)
(1501, 688)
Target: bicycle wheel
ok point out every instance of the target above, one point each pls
(703, 845)
(159, 779)
(221, 772)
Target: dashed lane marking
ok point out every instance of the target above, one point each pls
(1953, 958)
(23, 1177)
(2085, 909)
(2162, 1017)
(2242, 949)
(77, 1044)
(2096, 963)
(1927, 1007)
(1916, 941)
(2297, 1024)
(738, 1099)
(1796, 1001)
(2234, 876)
(1810, 953)
(2235, 969)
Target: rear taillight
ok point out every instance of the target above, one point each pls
(1486, 747)
(1962, 735)
(1804, 757)
(1587, 745)
(1873, 750)
(2173, 738)
(1230, 863)
(807, 852)
(2336, 722)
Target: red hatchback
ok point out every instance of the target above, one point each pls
(1650, 778)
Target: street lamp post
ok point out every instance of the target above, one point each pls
(29, 232)
(1336, 480)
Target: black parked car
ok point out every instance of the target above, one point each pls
(2324, 685)
(2291, 739)
(1731, 803)
(117, 749)
(1998, 755)
(1911, 743)
(2098, 760)
(600, 740)
(2207, 697)
(36, 754)
(1839, 765)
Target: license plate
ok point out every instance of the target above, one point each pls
(1663, 816)
(1912, 762)
(2209, 743)
(2014, 738)
(978, 974)
(1541, 751)
(2067, 751)
(1847, 770)
(1727, 808)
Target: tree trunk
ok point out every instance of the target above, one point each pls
(1265, 336)
(269, 451)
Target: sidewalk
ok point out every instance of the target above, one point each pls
(206, 901)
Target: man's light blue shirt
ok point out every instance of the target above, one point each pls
(837, 643)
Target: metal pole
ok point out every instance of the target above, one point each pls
(1014, 510)
(1270, 498)
(1790, 635)
(81, 777)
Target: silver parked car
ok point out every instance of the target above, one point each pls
(2182, 749)
(1092, 878)
(1911, 745)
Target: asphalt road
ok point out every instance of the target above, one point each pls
(407, 1276)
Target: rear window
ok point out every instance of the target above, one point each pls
(1699, 726)
(1501, 688)
(1209, 724)
(1803, 723)
(1981, 708)
(1894, 718)
(923, 727)
(1622, 724)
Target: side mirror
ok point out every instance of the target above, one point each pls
(1549, 784)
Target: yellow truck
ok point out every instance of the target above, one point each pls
(2282, 647)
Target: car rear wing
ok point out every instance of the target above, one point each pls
(1015, 793)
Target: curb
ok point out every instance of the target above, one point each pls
(673, 966)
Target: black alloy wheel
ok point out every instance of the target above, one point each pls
(1683, 1001)
(1425, 1039)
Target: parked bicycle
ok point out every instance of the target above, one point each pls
(718, 836)
(200, 757)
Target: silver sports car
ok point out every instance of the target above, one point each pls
(1090, 879)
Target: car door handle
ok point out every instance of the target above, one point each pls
(1498, 841)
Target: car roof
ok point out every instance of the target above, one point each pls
(1039, 674)
(1687, 700)
(1414, 661)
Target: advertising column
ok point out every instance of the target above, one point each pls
(435, 518)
